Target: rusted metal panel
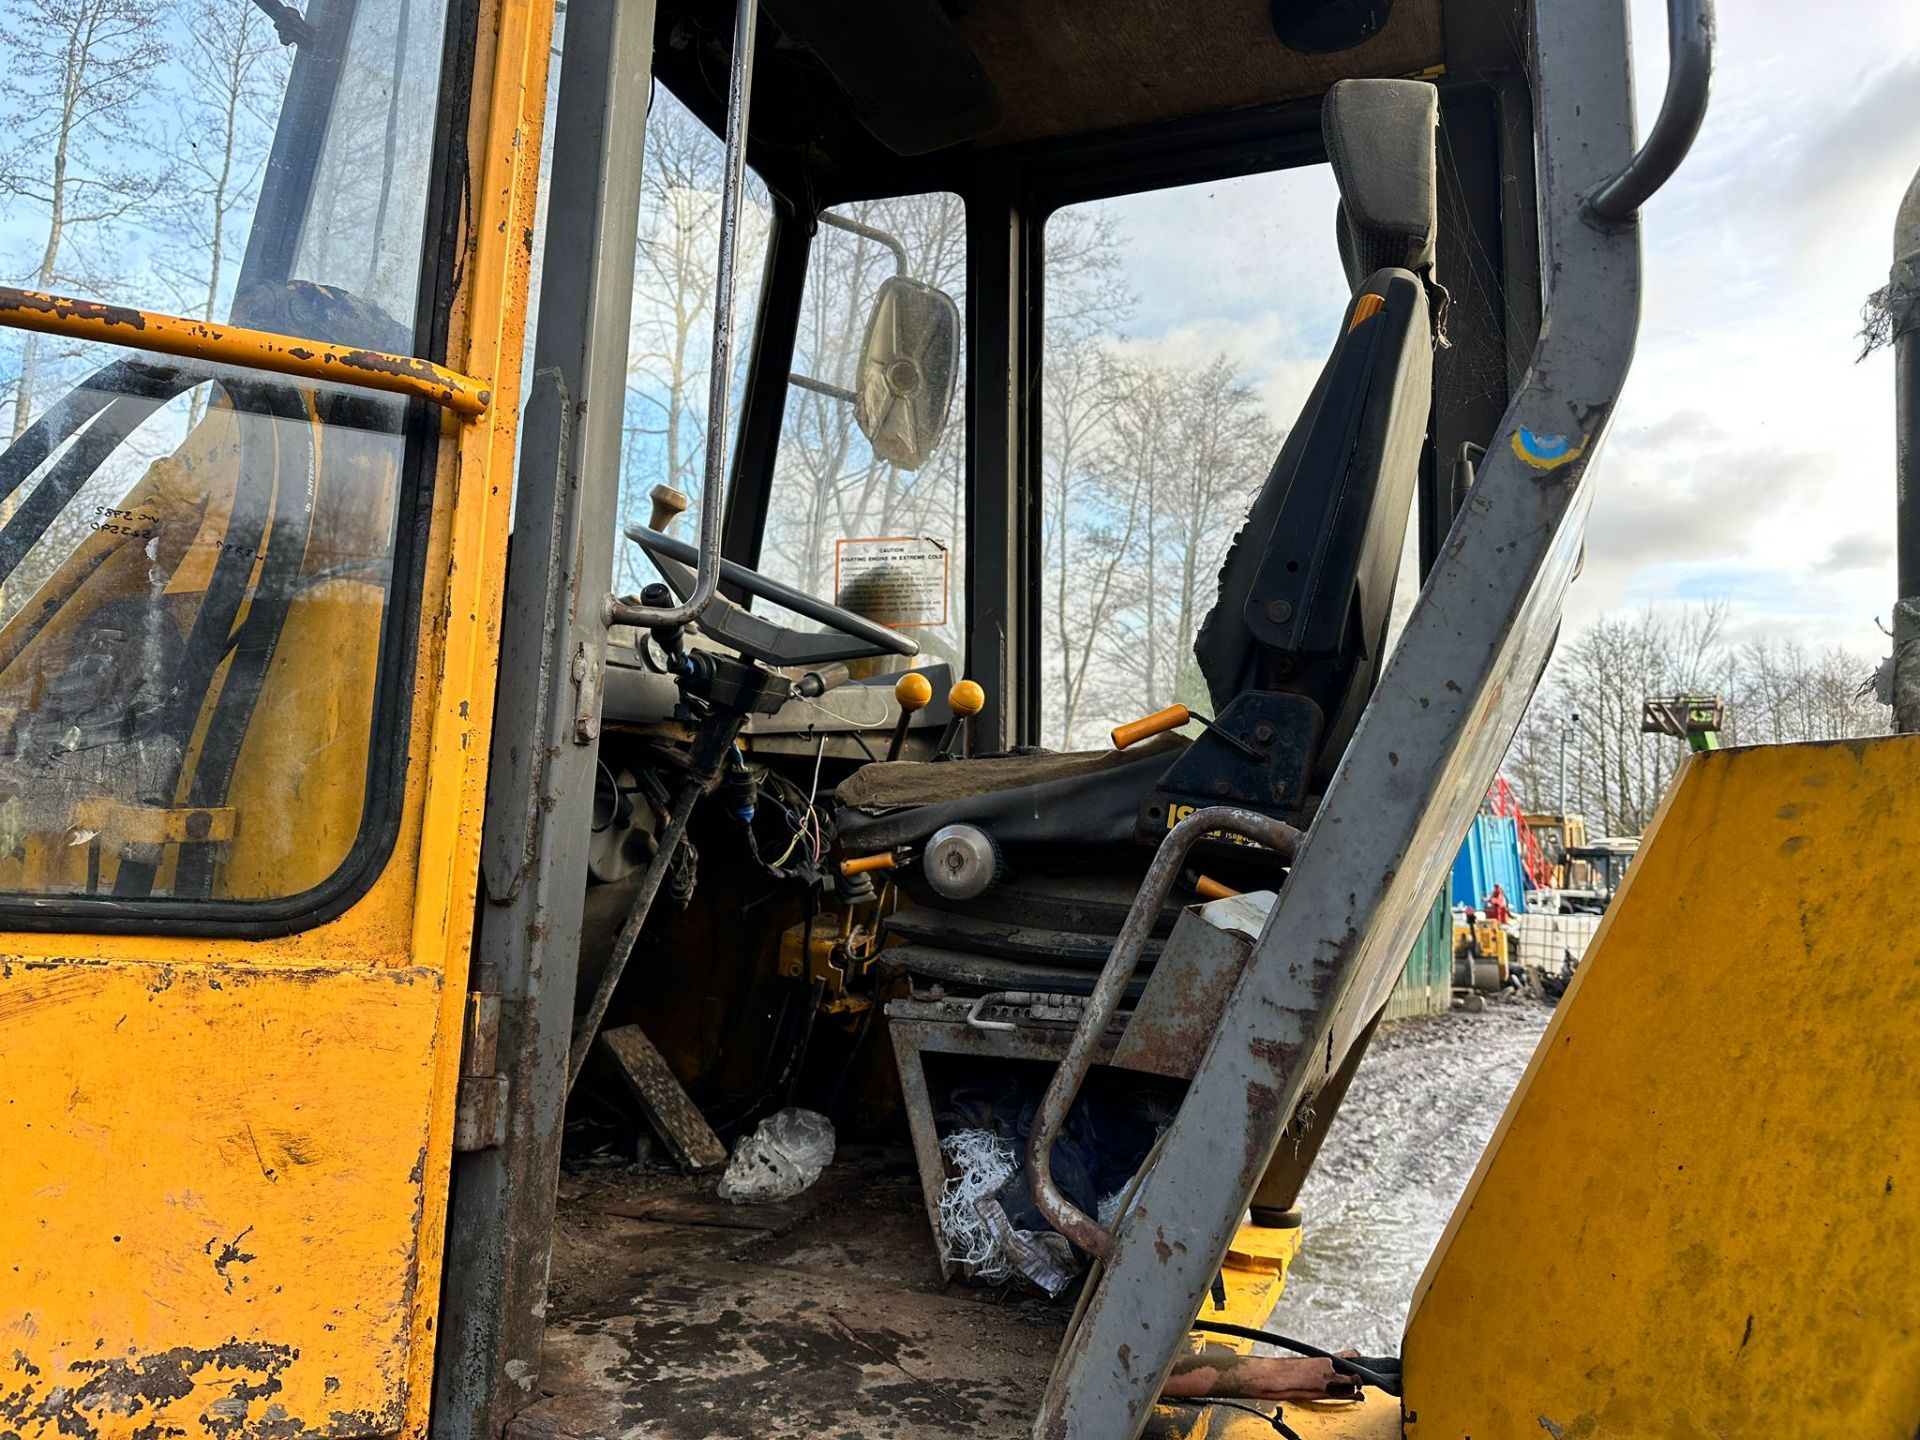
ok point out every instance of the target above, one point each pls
(1181, 1006)
(669, 1109)
(210, 1203)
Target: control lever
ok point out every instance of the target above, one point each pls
(669, 505)
(816, 683)
(672, 639)
(966, 699)
(911, 692)
(1172, 718)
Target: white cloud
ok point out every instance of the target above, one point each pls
(1751, 457)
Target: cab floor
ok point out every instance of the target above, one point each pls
(674, 1315)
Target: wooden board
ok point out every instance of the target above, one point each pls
(670, 1110)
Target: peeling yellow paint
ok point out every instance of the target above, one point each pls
(203, 1159)
(223, 1163)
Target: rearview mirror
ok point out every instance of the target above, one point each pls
(908, 367)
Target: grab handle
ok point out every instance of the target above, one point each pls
(1128, 946)
(1689, 78)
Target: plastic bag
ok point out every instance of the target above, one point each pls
(783, 1156)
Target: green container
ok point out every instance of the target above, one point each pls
(1426, 985)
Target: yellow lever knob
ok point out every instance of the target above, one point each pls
(1207, 888)
(883, 861)
(1158, 723)
(966, 698)
(913, 691)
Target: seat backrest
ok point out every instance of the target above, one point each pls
(1307, 586)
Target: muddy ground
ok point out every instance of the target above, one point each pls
(1399, 1154)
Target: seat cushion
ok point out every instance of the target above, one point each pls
(921, 782)
(1080, 797)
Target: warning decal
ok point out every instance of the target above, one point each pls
(899, 580)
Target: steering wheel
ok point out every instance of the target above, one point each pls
(849, 636)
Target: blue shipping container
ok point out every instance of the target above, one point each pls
(1490, 856)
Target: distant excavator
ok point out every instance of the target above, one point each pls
(1696, 719)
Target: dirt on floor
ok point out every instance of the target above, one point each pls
(676, 1316)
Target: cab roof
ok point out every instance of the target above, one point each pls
(846, 85)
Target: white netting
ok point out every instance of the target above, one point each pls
(982, 1165)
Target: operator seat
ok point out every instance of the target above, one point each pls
(1293, 646)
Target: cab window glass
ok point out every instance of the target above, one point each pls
(197, 563)
(670, 347)
(1184, 329)
(868, 504)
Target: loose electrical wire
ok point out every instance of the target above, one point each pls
(1346, 1366)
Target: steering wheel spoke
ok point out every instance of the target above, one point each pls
(848, 637)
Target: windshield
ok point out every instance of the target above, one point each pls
(868, 501)
(196, 565)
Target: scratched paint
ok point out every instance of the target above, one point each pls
(207, 1214)
(1712, 1154)
(180, 1114)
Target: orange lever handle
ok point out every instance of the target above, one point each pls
(913, 691)
(883, 861)
(1158, 723)
(1210, 889)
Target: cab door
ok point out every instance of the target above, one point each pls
(249, 593)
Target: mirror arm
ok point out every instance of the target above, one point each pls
(821, 387)
(869, 232)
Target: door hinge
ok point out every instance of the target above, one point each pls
(480, 1111)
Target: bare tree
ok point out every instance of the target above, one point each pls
(76, 74)
(828, 483)
(1085, 535)
(1186, 448)
(235, 70)
(1774, 691)
(669, 350)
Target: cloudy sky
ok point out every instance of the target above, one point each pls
(1751, 459)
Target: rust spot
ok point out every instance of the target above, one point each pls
(60, 307)
(1263, 1110)
(223, 1382)
(230, 1255)
(1267, 1051)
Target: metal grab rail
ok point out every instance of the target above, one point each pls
(1430, 740)
(706, 570)
(1066, 1217)
(1689, 81)
(203, 340)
